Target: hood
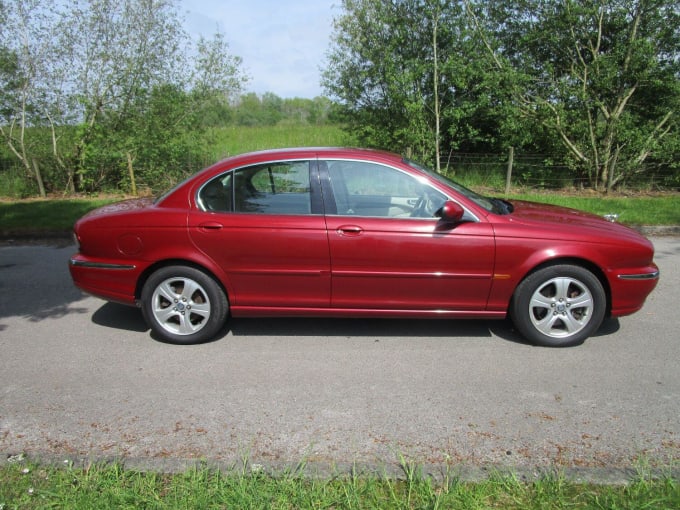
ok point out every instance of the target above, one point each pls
(564, 218)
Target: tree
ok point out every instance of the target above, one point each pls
(603, 77)
(217, 80)
(376, 70)
(28, 79)
(99, 74)
(120, 50)
(407, 77)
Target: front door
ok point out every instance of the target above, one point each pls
(389, 252)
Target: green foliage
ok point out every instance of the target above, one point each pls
(595, 83)
(231, 140)
(394, 65)
(158, 137)
(38, 216)
(109, 97)
(603, 78)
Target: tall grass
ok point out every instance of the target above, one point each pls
(231, 140)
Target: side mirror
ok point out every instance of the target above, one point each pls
(451, 212)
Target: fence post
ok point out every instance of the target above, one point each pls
(508, 176)
(131, 170)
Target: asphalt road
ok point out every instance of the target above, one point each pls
(80, 378)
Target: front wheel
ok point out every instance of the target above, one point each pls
(559, 306)
(183, 305)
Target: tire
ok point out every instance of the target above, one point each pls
(558, 306)
(183, 305)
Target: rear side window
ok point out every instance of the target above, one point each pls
(217, 195)
(271, 188)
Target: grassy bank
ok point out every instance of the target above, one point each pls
(36, 216)
(231, 140)
(28, 486)
(636, 210)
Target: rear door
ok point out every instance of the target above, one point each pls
(263, 224)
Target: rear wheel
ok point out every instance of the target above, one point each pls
(183, 305)
(559, 306)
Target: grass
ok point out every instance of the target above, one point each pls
(639, 210)
(38, 216)
(28, 486)
(231, 140)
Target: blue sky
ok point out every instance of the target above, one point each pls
(283, 44)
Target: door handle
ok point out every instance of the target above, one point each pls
(210, 225)
(349, 230)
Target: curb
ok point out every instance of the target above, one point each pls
(658, 230)
(316, 470)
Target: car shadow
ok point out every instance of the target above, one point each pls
(117, 316)
(35, 284)
(358, 327)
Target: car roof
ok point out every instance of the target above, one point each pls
(311, 152)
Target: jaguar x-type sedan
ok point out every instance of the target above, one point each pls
(356, 233)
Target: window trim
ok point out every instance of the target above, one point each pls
(316, 202)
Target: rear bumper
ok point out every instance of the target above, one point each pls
(110, 280)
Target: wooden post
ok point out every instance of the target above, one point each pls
(508, 176)
(133, 184)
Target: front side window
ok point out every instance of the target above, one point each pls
(369, 189)
(270, 188)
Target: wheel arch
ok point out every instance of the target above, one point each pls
(540, 305)
(573, 261)
(146, 274)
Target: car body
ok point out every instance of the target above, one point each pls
(334, 232)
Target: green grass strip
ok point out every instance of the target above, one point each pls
(32, 486)
(36, 216)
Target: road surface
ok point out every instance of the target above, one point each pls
(81, 378)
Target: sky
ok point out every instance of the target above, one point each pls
(283, 43)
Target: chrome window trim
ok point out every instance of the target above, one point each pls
(199, 202)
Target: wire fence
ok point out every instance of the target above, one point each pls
(514, 172)
(487, 172)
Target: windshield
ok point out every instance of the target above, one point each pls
(493, 205)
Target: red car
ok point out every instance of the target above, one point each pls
(356, 233)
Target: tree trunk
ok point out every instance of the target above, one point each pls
(131, 170)
(38, 178)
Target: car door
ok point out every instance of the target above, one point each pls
(389, 251)
(263, 226)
